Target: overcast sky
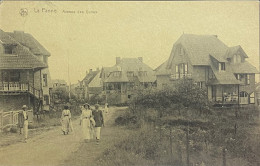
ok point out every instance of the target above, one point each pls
(107, 30)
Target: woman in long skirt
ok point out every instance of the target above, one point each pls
(85, 122)
(65, 120)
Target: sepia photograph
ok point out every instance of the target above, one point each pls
(129, 83)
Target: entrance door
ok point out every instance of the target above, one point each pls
(243, 98)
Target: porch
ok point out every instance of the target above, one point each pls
(224, 94)
(11, 88)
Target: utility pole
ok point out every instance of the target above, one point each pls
(69, 73)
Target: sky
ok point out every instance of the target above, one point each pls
(87, 35)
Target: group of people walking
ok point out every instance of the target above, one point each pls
(91, 122)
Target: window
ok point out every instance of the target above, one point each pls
(238, 77)
(45, 82)
(142, 73)
(243, 94)
(8, 50)
(200, 84)
(221, 66)
(237, 58)
(247, 79)
(129, 96)
(130, 74)
(46, 100)
(181, 70)
(14, 76)
(185, 68)
(117, 74)
(177, 71)
(252, 98)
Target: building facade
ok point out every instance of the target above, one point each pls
(24, 74)
(221, 70)
(120, 80)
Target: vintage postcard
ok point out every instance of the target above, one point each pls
(111, 83)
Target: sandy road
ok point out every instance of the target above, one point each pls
(49, 148)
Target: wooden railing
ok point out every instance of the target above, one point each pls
(20, 87)
(8, 119)
(179, 76)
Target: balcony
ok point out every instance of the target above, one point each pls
(180, 76)
(7, 88)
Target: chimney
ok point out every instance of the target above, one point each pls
(90, 70)
(140, 59)
(86, 72)
(97, 69)
(118, 59)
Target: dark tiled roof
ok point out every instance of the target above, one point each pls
(90, 76)
(244, 67)
(121, 78)
(22, 57)
(30, 42)
(6, 39)
(132, 65)
(200, 50)
(199, 47)
(233, 50)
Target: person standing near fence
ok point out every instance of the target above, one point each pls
(65, 120)
(25, 122)
(20, 120)
(99, 120)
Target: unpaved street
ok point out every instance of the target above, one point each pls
(49, 148)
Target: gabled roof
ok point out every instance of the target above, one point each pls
(121, 78)
(6, 39)
(90, 76)
(30, 42)
(244, 67)
(199, 47)
(234, 50)
(130, 65)
(162, 69)
(22, 57)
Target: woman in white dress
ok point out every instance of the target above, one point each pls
(85, 122)
(65, 120)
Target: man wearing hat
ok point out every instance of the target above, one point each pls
(99, 119)
(25, 122)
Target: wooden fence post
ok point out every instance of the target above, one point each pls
(12, 117)
(171, 141)
(188, 147)
(2, 120)
(224, 156)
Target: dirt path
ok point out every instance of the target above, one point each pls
(49, 148)
(88, 153)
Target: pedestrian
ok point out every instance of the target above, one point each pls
(25, 122)
(106, 108)
(99, 120)
(20, 120)
(85, 122)
(65, 120)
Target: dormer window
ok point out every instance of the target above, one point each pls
(221, 66)
(237, 58)
(8, 50)
(117, 74)
(142, 73)
(130, 74)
